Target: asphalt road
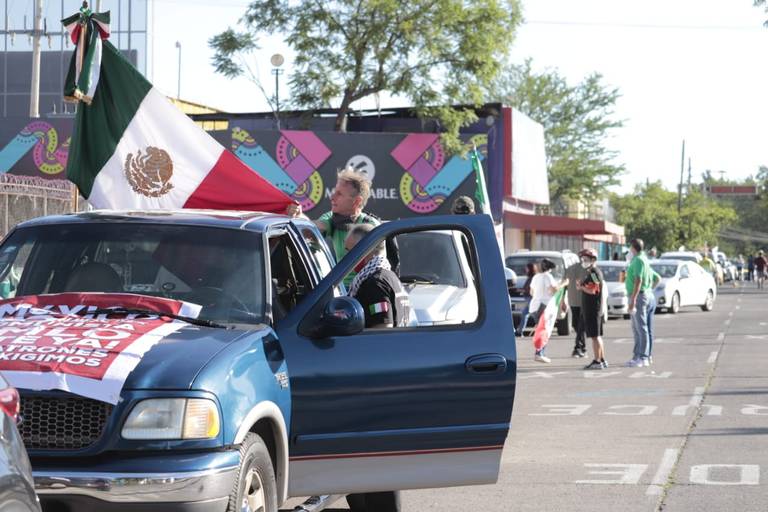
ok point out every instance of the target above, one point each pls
(688, 433)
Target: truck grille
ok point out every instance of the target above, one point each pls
(62, 423)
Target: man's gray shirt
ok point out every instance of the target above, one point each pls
(575, 273)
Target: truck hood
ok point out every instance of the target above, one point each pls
(175, 361)
(433, 302)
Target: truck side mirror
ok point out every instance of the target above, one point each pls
(342, 316)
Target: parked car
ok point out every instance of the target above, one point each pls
(614, 273)
(276, 389)
(517, 262)
(682, 256)
(441, 287)
(17, 488)
(683, 283)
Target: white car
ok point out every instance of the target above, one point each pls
(682, 256)
(683, 283)
(435, 271)
(618, 303)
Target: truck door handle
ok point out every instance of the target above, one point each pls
(486, 364)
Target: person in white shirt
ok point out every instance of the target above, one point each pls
(544, 286)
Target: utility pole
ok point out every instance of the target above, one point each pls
(98, 6)
(688, 188)
(178, 77)
(680, 187)
(34, 96)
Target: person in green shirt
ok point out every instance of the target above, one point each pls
(709, 265)
(640, 292)
(348, 199)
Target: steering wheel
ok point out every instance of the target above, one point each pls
(216, 299)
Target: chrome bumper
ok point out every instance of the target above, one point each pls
(139, 488)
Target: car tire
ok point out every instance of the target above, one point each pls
(374, 502)
(709, 303)
(674, 305)
(255, 486)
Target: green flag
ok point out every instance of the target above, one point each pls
(481, 190)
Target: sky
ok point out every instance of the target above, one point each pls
(686, 69)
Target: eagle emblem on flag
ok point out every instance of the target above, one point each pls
(150, 173)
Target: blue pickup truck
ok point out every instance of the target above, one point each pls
(276, 390)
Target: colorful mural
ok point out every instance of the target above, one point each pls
(410, 168)
(49, 157)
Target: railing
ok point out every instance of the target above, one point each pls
(26, 197)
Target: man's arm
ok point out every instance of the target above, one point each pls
(377, 306)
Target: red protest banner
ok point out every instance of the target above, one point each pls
(53, 342)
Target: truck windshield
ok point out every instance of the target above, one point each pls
(219, 269)
(430, 256)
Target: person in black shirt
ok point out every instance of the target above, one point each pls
(377, 288)
(593, 305)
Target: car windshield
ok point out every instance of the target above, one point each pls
(518, 262)
(219, 269)
(684, 257)
(665, 270)
(611, 273)
(430, 256)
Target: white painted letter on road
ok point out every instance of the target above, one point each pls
(563, 410)
(630, 410)
(629, 474)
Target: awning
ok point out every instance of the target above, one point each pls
(561, 225)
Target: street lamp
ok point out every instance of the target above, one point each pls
(277, 60)
(178, 80)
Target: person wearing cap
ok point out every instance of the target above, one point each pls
(594, 306)
(463, 205)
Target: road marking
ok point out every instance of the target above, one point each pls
(629, 474)
(730, 314)
(749, 474)
(728, 322)
(662, 474)
(738, 307)
(712, 357)
(721, 336)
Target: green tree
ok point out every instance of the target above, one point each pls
(762, 3)
(577, 120)
(430, 52)
(650, 213)
(702, 219)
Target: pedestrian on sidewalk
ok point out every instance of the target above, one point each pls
(577, 273)
(638, 286)
(530, 271)
(594, 306)
(750, 267)
(544, 286)
(761, 265)
(655, 281)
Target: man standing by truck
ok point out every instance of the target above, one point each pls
(576, 274)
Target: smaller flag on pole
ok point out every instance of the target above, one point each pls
(481, 190)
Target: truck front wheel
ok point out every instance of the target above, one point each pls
(255, 487)
(374, 502)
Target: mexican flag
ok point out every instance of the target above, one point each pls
(547, 320)
(132, 148)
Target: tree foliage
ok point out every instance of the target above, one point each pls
(577, 121)
(651, 213)
(762, 3)
(430, 52)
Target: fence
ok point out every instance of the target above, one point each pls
(26, 197)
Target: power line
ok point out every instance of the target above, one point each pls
(645, 26)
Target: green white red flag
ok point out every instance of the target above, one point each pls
(133, 149)
(547, 320)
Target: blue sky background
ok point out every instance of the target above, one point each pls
(692, 69)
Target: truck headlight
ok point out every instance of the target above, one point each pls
(173, 418)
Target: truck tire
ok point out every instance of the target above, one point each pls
(255, 487)
(374, 502)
